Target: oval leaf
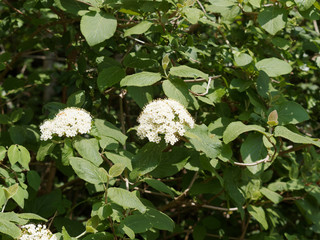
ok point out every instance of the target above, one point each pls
(97, 27)
(274, 67)
(86, 170)
(126, 199)
(141, 79)
(138, 29)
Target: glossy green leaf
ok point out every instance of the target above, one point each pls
(274, 67)
(125, 199)
(141, 79)
(97, 27)
(140, 28)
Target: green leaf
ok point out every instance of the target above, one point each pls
(107, 129)
(76, 99)
(125, 199)
(20, 196)
(160, 220)
(274, 67)
(271, 195)
(230, 178)
(178, 90)
(147, 159)
(304, 5)
(97, 27)
(140, 28)
(34, 180)
(86, 170)
(259, 214)
(234, 129)
(160, 186)
(110, 76)
(138, 223)
(9, 228)
(252, 150)
(3, 152)
(193, 14)
(32, 216)
(273, 118)
(291, 113)
(88, 149)
(116, 169)
(127, 231)
(273, 19)
(284, 132)
(92, 224)
(18, 153)
(187, 72)
(120, 159)
(141, 79)
(171, 162)
(203, 141)
(11, 191)
(70, 6)
(165, 62)
(45, 149)
(242, 59)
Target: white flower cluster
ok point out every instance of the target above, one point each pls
(164, 117)
(36, 232)
(68, 122)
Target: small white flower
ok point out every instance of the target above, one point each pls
(36, 232)
(68, 122)
(164, 117)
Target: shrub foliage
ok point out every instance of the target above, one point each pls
(246, 71)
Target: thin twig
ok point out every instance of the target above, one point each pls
(265, 160)
(201, 7)
(207, 89)
(316, 28)
(220, 208)
(294, 149)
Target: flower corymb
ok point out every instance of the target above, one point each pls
(164, 117)
(68, 122)
(36, 232)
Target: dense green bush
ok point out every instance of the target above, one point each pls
(247, 72)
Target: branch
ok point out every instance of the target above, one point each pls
(207, 89)
(265, 160)
(178, 199)
(201, 7)
(220, 208)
